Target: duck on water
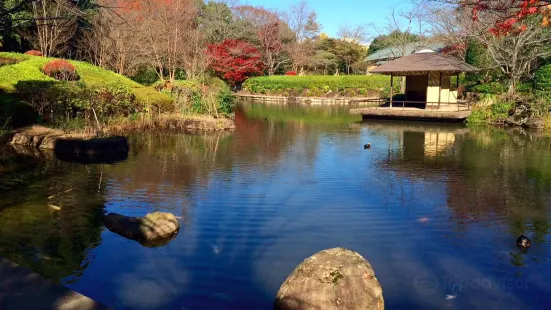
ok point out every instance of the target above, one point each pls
(523, 243)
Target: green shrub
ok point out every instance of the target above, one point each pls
(145, 75)
(501, 109)
(495, 88)
(542, 83)
(193, 97)
(226, 101)
(497, 111)
(328, 83)
(542, 78)
(477, 116)
(67, 104)
(525, 88)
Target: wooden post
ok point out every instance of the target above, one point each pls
(439, 89)
(391, 88)
(457, 92)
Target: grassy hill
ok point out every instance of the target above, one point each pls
(28, 68)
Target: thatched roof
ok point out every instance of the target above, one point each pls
(423, 63)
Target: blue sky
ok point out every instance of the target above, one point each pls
(331, 13)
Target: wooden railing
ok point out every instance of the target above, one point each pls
(403, 104)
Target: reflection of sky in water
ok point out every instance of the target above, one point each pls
(248, 226)
(246, 233)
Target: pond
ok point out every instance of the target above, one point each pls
(435, 208)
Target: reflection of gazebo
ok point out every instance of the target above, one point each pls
(428, 77)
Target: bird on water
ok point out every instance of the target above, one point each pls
(367, 146)
(523, 242)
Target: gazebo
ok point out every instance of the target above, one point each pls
(428, 77)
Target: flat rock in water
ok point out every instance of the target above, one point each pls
(154, 229)
(535, 123)
(73, 147)
(209, 124)
(331, 279)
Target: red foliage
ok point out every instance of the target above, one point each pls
(61, 70)
(512, 14)
(34, 53)
(454, 49)
(291, 73)
(235, 60)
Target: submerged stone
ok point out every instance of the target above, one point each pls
(331, 279)
(153, 230)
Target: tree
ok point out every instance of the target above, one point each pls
(517, 53)
(386, 40)
(400, 30)
(217, 21)
(444, 23)
(348, 53)
(509, 14)
(272, 35)
(303, 22)
(324, 60)
(272, 46)
(53, 26)
(164, 33)
(235, 60)
(356, 34)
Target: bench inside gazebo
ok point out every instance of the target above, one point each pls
(428, 81)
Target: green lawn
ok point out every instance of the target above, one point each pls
(29, 69)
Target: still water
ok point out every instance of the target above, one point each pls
(436, 209)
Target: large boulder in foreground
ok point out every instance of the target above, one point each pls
(154, 229)
(331, 279)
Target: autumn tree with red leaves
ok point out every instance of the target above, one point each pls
(510, 13)
(512, 32)
(235, 61)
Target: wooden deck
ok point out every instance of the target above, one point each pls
(451, 114)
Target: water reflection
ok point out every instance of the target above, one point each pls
(436, 209)
(44, 224)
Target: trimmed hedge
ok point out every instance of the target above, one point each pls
(320, 85)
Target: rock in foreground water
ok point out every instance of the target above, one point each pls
(331, 279)
(152, 230)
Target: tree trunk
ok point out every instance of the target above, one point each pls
(512, 86)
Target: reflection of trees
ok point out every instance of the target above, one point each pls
(503, 176)
(314, 114)
(169, 164)
(52, 243)
(490, 174)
